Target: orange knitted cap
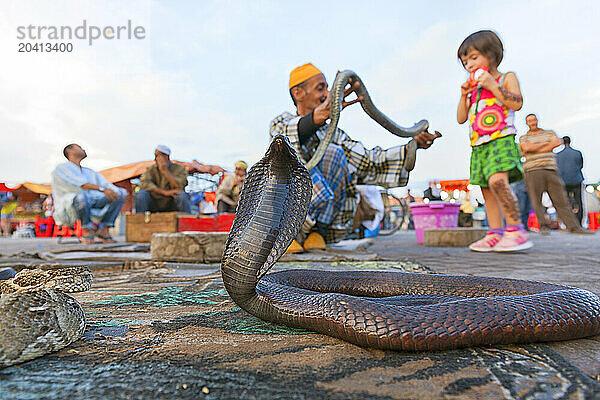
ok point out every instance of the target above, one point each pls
(302, 74)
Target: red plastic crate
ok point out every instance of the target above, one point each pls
(220, 223)
(44, 226)
(594, 220)
(203, 224)
(225, 221)
(65, 231)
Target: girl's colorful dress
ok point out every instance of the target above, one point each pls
(489, 119)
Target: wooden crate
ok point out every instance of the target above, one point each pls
(140, 227)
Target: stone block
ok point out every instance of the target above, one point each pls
(193, 247)
(452, 237)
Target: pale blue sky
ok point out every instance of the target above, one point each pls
(210, 76)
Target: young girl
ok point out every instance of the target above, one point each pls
(488, 102)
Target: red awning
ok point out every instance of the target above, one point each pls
(450, 185)
(4, 188)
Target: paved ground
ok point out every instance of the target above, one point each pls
(160, 330)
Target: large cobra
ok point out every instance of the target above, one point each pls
(337, 99)
(400, 311)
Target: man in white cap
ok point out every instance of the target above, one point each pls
(162, 185)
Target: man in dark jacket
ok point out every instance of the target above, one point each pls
(570, 163)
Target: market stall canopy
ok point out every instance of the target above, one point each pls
(113, 175)
(41, 188)
(128, 171)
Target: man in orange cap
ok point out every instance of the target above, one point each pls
(345, 164)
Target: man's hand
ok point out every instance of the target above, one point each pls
(238, 179)
(425, 139)
(323, 111)
(162, 162)
(111, 194)
(171, 193)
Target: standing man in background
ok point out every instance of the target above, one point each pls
(570, 163)
(520, 190)
(541, 175)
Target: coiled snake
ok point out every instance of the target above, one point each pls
(400, 311)
(37, 317)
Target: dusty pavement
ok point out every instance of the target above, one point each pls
(159, 330)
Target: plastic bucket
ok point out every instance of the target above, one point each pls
(433, 215)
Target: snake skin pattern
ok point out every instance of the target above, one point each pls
(37, 316)
(400, 311)
(337, 100)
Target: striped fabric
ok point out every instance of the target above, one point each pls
(339, 177)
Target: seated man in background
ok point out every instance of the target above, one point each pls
(162, 185)
(81, 193)
(228, 193)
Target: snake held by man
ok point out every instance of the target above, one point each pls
(385, 310)
(344, 78)
(37, 316)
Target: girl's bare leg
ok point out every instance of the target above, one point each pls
(505, 198)
(492, 209)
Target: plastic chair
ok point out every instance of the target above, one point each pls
(66, 231)
(225, 221)
(594, 221)
(44, 226)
